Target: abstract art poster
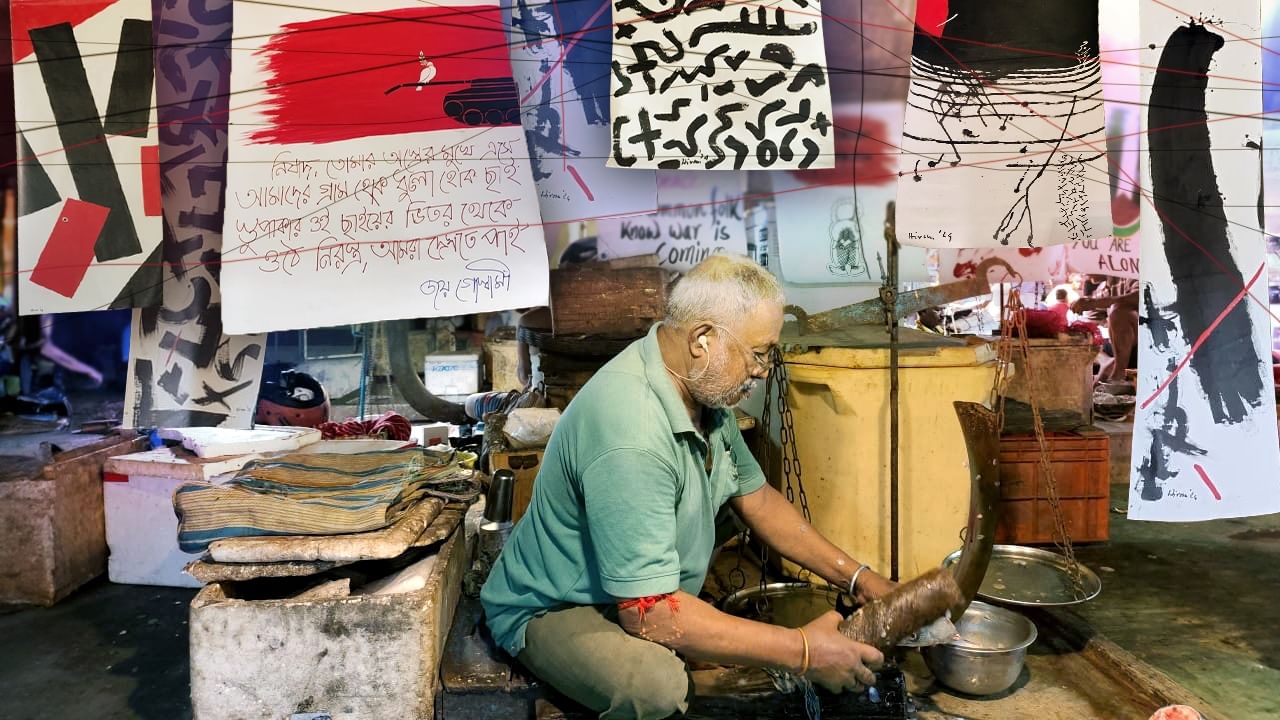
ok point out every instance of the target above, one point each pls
(88, 174)
(1204, 439)
(1003, 142)
(831, 223)
(183, 369)
(560, 59)
(720, 86)
(699, 214)
(389, 180)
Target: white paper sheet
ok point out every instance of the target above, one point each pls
(1204, 439)
(88, 232)
(413, 197)
(560, 60)
(700, 213)
(831, 222)
(1005, 148)
(727, 86)
(1111, 256)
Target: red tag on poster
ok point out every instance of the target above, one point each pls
(69, 251)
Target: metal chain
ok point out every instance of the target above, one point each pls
(787, 438)
(1015, 319)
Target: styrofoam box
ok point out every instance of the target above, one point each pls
(142, 529)
(452, 375)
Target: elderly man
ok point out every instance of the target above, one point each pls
(596, 590)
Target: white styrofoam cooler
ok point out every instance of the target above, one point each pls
(142, 529)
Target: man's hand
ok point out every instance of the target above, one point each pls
(836, 662)
(1084, 305)
(872, 585)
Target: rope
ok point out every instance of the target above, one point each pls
(1014, 323)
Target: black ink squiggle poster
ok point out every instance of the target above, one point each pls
(720, 86)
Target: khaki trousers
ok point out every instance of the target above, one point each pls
(584, 653)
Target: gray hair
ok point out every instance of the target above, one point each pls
(721, 289)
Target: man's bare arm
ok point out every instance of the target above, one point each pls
(780, 526)
(698, 631)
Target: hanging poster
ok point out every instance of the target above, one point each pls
(1003, 142)
(1047, 264)
(831, 222)
(699, 213)
(183, 369)
(1114, 256)
(727, 86)
(1204, 439)
(88, 175)
(388, 180)
(560, 60)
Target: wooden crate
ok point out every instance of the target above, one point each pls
(52, 527)
(525, 464)
(1081, 468)
(362, 656)
(1063, 376)
(613, 302)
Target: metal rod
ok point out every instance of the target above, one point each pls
(891, 312)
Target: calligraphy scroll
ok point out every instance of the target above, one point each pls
(1204, 439)
(388, 180)
(560, 60)
(725, 86)
(1003, 142)
(183, 369)
(699, 214)
(89, 186)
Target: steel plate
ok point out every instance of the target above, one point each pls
(1031, 577)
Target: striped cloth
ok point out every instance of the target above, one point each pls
(313, 494)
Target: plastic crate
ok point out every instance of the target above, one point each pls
(1081, 468)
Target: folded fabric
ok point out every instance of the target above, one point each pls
(313, 494)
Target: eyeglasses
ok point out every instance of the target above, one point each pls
(763, 360)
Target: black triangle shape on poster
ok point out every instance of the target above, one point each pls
(145, 288)
(35, 190)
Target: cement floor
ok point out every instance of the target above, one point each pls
(1196, 601)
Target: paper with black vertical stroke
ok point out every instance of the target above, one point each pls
(1204, 438)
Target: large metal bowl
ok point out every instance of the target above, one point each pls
(989, 655)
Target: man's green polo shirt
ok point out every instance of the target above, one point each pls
(623, 506)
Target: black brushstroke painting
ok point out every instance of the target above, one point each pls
(1194, 227)
(1025, 80)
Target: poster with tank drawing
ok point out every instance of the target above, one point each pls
(560, 61)
(831, 222)
(1204, 439)
(89, 226)
(719, 86)
(388, 180)
(1003, 142)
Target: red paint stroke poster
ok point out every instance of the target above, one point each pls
(1204, 439)
(88, 213)
(377, 168)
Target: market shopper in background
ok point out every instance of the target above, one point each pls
(596, 591)
(1112, 302)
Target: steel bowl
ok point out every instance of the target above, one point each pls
(989, 655)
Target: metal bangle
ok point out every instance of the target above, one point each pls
(853, 581)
